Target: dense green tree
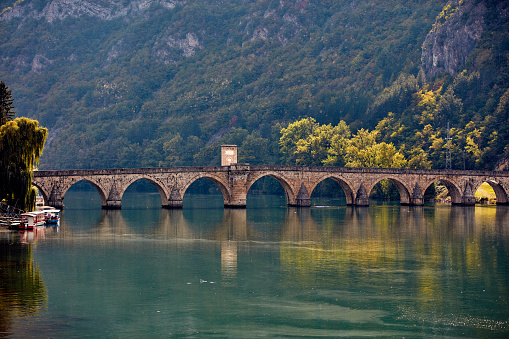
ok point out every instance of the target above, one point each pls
(21, 145)
(392, 129)
(315, 145)
(418, 159)
(315, 149)
(254, 150)
(172, 150)
(395, 98)
(364, 151)
(291, 135)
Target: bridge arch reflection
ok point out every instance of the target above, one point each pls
(291, 224)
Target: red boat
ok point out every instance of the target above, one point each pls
(31, 220)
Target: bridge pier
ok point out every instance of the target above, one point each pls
(302, 203)
(237, 181)
(59, 204)
(173, 204)
(175, 200)
(417, 202)
(236, 203)
(362, 198)
(55, 199)
(234, 206)
(468, 198)
(114, 200)
(417, 198)
(112, 205)
(303, 199)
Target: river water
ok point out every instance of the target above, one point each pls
(266, 271)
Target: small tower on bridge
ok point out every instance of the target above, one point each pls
(228, 155)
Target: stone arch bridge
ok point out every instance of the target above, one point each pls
(235, 180)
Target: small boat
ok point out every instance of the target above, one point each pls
(10, 222)
(52, 216)
(32, 220)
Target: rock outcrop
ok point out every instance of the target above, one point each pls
(171, 45)
(106, 10)
(170, 49)
(57, 10)
(502, 165)
(453, 37)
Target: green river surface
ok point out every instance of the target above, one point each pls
(266, 271)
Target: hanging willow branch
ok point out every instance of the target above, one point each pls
(21, 145)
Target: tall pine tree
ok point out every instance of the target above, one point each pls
(6, 100)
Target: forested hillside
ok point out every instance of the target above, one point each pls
(165, 82)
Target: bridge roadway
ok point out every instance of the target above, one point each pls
(235, 180)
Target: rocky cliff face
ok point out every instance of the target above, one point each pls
(178, 41)
(106, 10)
(453, 37)
(54, 11)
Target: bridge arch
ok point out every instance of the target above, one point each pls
(156, 183)
(500, 191)
(403, 189)
(345, 185)
(454, 189)
(234, 181)
(291, 196)
(223, 187)
(42, 191)
(102, 192)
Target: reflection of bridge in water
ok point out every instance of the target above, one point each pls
(357, 233)
(302, 225)
(235, 180)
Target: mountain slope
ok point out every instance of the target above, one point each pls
(149, 83)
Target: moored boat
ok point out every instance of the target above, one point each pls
(10, 222)
(31, 220)
(52, 216)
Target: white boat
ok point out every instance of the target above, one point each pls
(31, 220)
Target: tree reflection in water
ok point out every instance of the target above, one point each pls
(22, 291)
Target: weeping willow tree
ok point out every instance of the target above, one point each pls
(21, 145)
